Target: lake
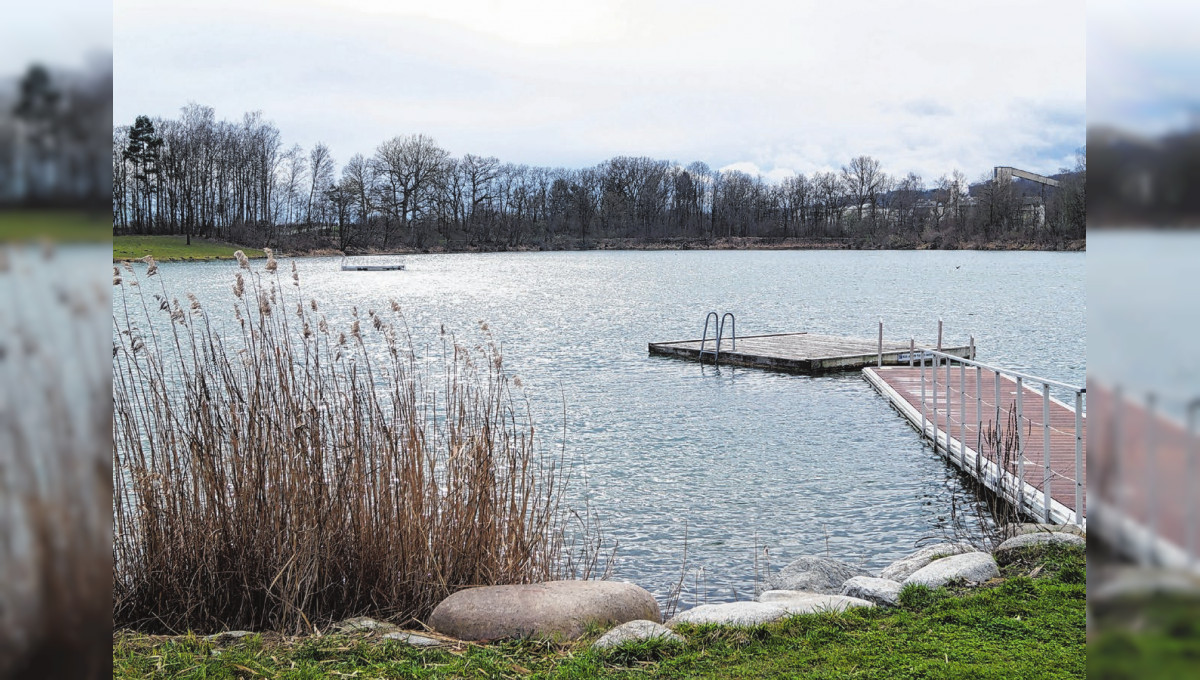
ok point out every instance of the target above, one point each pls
(740, 457)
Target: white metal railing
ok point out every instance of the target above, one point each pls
(1137, 528)
(931, 419)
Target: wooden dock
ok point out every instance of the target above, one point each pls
(1145, 483)
(797, 352)
(965, 403)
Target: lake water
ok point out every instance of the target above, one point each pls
(742, 457)
(1144, 319)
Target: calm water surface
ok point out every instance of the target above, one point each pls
(741, 456)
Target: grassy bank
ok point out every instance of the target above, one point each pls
(175, 248)
(55, 225)
(1156, 636)
(1017, 627)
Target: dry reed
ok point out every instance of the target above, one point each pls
(274, 472)
(55, 535)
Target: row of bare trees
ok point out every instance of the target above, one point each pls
(53, 123)
(235, 180)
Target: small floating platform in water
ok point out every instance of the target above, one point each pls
(798, 352)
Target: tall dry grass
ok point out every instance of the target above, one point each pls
(275, 472)
(55, 488)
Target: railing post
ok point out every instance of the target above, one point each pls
(1079, 458)
(1193, 409)
(924, 423)
(997, 386)
(1152, 471)
(979, 402)
(933, 386)
(1020, 446)
(1118, 426)
(880, 360)
(962, 412)
(949, 406)
(1047, 496)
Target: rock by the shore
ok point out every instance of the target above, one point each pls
(815, 575)
(881, 591)
(1038, 527)
(800, 602)
(974, 567)
(361, 624)
(412, 639)
(1139, 583)
(731, 614)
(228, 635)
(637, 630)
(1007, 550)
(907, 566)
(552, 609)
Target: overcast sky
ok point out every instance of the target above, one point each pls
(781, 87)
(65, 33)
(1142, 68)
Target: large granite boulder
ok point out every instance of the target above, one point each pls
(553, 609)
(974, 567)
(881, 591)
(1008, 551)
(815, 575)
(632, 631)
(800, 602)
(907, 566)
(731, 614)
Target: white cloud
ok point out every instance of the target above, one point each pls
(783, 86)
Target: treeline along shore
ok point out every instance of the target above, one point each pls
(237, 181)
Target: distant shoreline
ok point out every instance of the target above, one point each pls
(173, 249)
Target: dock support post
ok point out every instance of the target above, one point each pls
(971, 348)
(939, 346)
(912, 349)
(1046, 495)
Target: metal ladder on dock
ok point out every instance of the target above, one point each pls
(719, 327)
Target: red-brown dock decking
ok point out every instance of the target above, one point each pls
(971, 407)
(1145, 490)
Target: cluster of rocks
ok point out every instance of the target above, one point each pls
(569, 609)
(808, 585)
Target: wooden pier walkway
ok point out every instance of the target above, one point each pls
(1145, 483)
(797, 352)
(966, 403)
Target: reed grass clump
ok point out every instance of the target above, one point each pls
(275, 470)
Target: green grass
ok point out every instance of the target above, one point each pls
(55, 225)
(168, 248)
(1020, 627)
(1153, 637)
